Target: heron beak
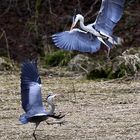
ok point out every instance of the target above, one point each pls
(72, 26)
(56, 95)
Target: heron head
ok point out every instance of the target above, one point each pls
(77, 18)
(51, 97)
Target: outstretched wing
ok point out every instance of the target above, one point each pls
(110, 13)
(31, 88)
(76, 39)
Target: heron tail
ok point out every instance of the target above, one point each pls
(23, 119)
(115, 40)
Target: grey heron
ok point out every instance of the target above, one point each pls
(32, 99)
(89, 37)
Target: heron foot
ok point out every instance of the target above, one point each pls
(56, 122)
(59, 116)
(62, 122)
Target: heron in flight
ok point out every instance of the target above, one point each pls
(89, 37)
(31, 97)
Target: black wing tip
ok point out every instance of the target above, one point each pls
(29, 71)
(27, 61)
(28, 64)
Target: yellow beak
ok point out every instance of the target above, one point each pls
(72, 26)
(56, 95)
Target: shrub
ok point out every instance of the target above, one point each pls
(58, 58)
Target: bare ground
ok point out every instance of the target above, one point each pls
(105, 110)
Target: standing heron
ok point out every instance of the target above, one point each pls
(89, 37)
(31, 97)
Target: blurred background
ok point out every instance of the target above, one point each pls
(26, 28)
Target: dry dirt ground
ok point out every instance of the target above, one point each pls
(95, 110)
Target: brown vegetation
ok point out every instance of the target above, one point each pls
(94, 110)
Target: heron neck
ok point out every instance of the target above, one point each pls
(51, 108)
(88, 29)
(83, 26)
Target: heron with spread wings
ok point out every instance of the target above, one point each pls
(90, 37)
(31, 97)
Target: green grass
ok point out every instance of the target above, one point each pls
(60, 58)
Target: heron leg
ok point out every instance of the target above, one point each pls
(108, 53)
(35, 130)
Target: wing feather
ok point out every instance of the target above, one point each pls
(110, 13)
(76, 40)
(30, 87)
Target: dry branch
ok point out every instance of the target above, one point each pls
(91, 9)
(7, 10)
(3, 34)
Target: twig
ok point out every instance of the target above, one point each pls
(131, 14)
(28, 5)
(7, 10)
(3, 34)
(73, 90)
(91, 9)
(50, 9)
(83, 68)
(79, 6)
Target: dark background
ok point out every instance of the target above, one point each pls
(26, 26)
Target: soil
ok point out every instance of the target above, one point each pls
(95, 110)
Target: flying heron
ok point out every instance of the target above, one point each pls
(31, 97)
(89, 37)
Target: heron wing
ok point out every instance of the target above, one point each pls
(76, 40)
(110, 13)
(31, 89)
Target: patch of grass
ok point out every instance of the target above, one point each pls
(108, 73)
(60, 58)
